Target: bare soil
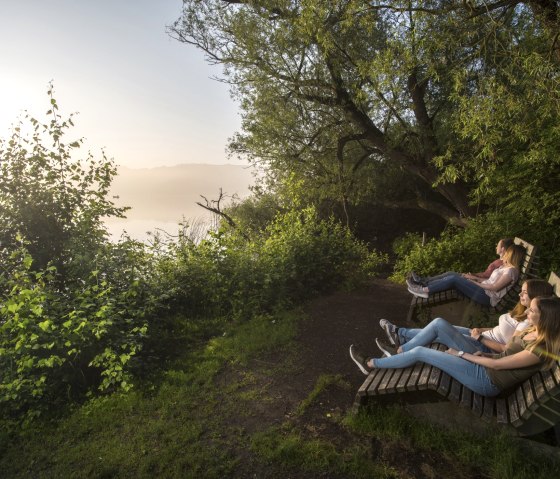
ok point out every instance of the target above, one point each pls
(332, 323)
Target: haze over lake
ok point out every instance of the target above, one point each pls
(161, 197)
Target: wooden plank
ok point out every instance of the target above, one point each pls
(372, 388)
(424, 376)
(363, 388)
(444, 384)
(530, 398)
(392, 384)
(556, 373)
(538, 385)
(466, 397)
(412, 384)
(548, 381)
(434, 378)
(404, 379)
(521, 402)
(502, 411)
(488, 409)
(477, 404)
(382, 387)
(513, 410)
(455, 393)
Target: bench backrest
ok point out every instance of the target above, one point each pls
(527, 268)
(554, 280)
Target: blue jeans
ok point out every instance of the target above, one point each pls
(466, 343)
(466, 287)
(469, 374)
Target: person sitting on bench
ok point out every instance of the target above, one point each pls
(534, 349)
(501, 248)
(486, 340)
(488, 292)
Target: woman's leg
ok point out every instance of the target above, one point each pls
(440, 331)
(406, 334)
(438, 277)
(471, 375)
(463, 285)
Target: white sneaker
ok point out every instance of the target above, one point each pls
(418, 291)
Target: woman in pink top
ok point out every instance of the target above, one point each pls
(487, 292)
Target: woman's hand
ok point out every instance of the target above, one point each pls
(452, 351)
(476, 332)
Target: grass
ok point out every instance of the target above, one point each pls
(184, 426)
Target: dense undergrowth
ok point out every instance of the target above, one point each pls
(108, 351)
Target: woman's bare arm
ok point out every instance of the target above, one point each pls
(515, 361)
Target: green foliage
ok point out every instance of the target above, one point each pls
(58, 344)
(54, 201)
(295, 257)
(72, 305)
(467, 249)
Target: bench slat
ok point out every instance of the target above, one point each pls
(513, 409)
(392, 384)
(455, 394)
(488, 409)
(501, 411)
(466, 397)
(413, 380)
(477, 404)
(372, 388)
(404, 379)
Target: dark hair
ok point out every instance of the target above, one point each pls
(506, 242)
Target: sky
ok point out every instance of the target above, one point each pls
(144, 97)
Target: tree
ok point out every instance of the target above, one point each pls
(54, 202)
(385, 77)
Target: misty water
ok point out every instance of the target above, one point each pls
(161, 198)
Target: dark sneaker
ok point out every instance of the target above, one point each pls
(410, 283)
(386, 348)
(359, 359)
(390, 331)
(417, 279)
(417, 291)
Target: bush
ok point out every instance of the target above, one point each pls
(58, 344)
(296, 256)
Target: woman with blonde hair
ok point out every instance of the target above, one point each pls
(536, 348)
(471, 340)
(487, 292)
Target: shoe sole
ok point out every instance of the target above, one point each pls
(383, 350)
(360, 365)
(419, 295)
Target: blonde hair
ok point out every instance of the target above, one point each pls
(535, 287)
(514, 255)
(547, 343)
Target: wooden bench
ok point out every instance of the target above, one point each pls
(529, 269)
(529, 409)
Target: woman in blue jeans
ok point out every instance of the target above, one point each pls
(485, 374)
(487, 340)
(487, 292)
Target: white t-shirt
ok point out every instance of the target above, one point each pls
(503, 332)
(496, 275)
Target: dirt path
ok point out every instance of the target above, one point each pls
(341, 319)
